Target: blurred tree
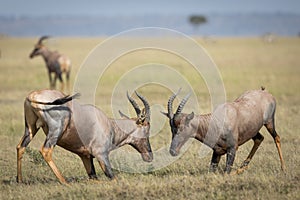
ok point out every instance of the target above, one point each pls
(197, 20)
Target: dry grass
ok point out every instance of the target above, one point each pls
(244, 63)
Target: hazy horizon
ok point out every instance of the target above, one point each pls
(94, 17)
(140, 7)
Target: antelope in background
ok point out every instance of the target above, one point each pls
(228, 127)
(55, 62)
(82, 129)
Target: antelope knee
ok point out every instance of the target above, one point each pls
(277, 139)
(20, 151)
(47, 153)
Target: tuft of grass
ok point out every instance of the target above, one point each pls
(35, 156)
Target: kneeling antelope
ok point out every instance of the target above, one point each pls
(228, 127)
(56, 63)
(82, 129)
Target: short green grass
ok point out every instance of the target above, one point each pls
(244, 64)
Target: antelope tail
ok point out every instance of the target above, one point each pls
(60, 101)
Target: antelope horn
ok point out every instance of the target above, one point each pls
(182, 103)
(170, 104)
(42, 39)
(146, 105)
(134, 104)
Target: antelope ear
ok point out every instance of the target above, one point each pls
(166, 114)
(143, 112)
(190, 117)
(123, 115)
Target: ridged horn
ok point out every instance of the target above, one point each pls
(42, 39)
(182, 103)
(134, 104)
(146, 105)
(170, 104)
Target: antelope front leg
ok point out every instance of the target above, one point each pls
(230, 159)
(51, 81)
(68, 82)
(54, 82)
(214, 162)
(105, 166)
(59, 76)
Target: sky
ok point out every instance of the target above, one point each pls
(143, 7)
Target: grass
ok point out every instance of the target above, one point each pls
(244, 63)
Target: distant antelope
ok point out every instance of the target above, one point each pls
(228, 127)
(55, 62)
(82, 129)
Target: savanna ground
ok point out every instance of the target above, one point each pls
(244, 64)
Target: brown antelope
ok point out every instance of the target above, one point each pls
(55, 62)
(82, 129)
(228, 127)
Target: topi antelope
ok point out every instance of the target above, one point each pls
(228, 127)
(82, 129)
(55, 62)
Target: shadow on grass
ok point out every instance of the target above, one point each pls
(45, 180)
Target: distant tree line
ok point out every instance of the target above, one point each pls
(197, 20)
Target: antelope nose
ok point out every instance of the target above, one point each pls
(147, 157)
(151, 156)
(173, 152)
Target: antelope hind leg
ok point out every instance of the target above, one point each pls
(25, 140)
(271, 129)
(47, 154)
